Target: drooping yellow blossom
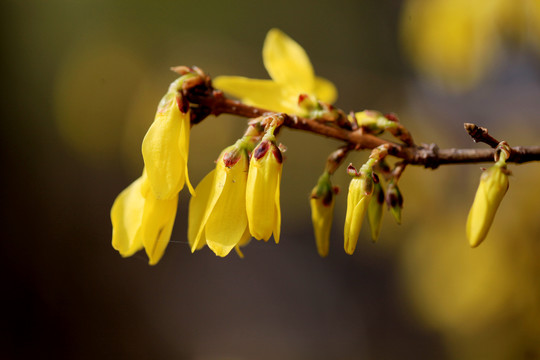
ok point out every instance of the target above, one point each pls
(140, 220)
(492, 188)
(217, 215)
(360, 192)
(375, 211)
(456, 42)
(292, 75)
(322, 212)
(165, 147)
(262, 194)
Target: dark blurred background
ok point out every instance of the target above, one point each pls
(82, 80)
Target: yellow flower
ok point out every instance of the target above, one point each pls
(493, 186)
(360, 191)
(140, 220)
(166, 145)
(262, 195)
(292, 75)
(217, 215)
(322, 212)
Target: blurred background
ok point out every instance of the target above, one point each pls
(82, 79)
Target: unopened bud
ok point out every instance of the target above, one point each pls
(322, 210)
(351, 170)
(394, 200)
(492, 188)
(375, 211)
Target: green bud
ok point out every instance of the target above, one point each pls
(394, 200)
(322, 209)
(375, 211)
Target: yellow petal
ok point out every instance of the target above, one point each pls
(287, 62)
(126, 218)
(227, 223)
(183, 144)
(277, 224)
(265, 94)
(262, 184)
(165, 155)
(325, 90)
(157, 225)
(197, 211)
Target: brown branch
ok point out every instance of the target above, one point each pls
(207, 101)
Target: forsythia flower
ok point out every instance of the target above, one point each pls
(262, 196)
(360, 191)
(143, 214)
(166, 145)
(140, 220)
(492, 188)
(292, 75)
(217, 215)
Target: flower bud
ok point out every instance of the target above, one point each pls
(493, 186)
(394, 200)
(375, 211)
(322, 211)
(357, 204)
(368, 120)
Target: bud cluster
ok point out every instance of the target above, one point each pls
(240, 197)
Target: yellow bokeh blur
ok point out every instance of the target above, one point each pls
(456, 43)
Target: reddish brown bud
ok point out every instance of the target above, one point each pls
(351, 170)
(392, 117)
(301, 98)
(231, 158)
(261, 149)
(277, 154)
(183, 104)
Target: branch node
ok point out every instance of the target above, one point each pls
(428, 155)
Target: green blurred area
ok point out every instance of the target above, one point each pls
(82, 80)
